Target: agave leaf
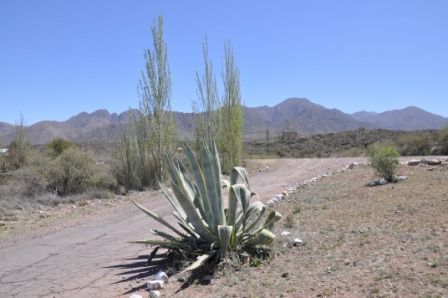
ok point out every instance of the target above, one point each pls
(159, 219)
(232, 207)
(193, 215)
(201, 184)
(257, 210)
(242, 194)
(173, 200)
(163, 235)
(201, 260)
(163, 244)
(225, 233)
(212, 172)
(239, 172)
(263, 237)
(273, 217)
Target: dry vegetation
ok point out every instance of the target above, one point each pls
(386, 241)
(350, 143)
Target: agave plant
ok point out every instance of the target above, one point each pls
(206, 228)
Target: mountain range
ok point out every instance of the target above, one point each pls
(293, 114)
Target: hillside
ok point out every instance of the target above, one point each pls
(410, 118)
(293, 114)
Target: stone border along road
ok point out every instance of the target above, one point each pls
(83, 260)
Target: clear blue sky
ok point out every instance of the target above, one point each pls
(58, 58)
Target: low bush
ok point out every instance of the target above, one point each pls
(57, 146)
(415, 144)
(443, 141)
(71, 172)
(384, 159)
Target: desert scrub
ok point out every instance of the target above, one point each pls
(71, 172)
(58, 145)
(384, 159)
(208, 231)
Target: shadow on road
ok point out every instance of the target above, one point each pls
(139, 269)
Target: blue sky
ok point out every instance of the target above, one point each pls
(58, 58)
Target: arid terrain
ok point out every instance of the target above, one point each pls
(358, 241)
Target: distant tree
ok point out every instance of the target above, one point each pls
(151, 133)
(155, 101)
(19, 147)
(206, 107)
(230, 133)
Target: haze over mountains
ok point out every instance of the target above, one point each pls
(293, 114)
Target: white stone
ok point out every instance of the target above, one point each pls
(270, 203)
(162, 276)
(297, 241)
(285, 233)
(155, 284)
(154, 294)
(383, 181)
(135, 295)
(413, 162)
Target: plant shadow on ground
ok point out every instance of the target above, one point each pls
(140, 269)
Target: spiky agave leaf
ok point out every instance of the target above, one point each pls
(225, 234)
(263, 237)
(159, 219)
(200, 261)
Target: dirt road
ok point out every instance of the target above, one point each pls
(89, 259)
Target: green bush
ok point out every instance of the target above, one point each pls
(414, 144)
(59, 145)
(443, 141)
(71, 172)
(384, 159)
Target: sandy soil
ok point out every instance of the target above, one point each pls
(83, 251)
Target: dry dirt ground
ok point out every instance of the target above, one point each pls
(358, 241)
(384, 241)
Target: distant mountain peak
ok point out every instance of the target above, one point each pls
(299, 114)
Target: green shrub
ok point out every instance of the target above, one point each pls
(59, 145)
(384, 159)
(71, 172)
(443, 141)
(414, 144)
(210, 232)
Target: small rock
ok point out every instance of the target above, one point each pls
(121, 191)
(353, 165)
(285, 274)
(400, 178)
(181, 279)
(135, 295)
(155, 284)
(285, 233)
(297, 242)
(162, 276)
(383, 181)
(433, 162)
(413, 162)
(154, 294)
(270, 203)
(206, 280)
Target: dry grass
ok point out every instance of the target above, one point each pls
(386, 241)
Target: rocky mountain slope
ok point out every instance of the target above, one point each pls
(293, 114)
